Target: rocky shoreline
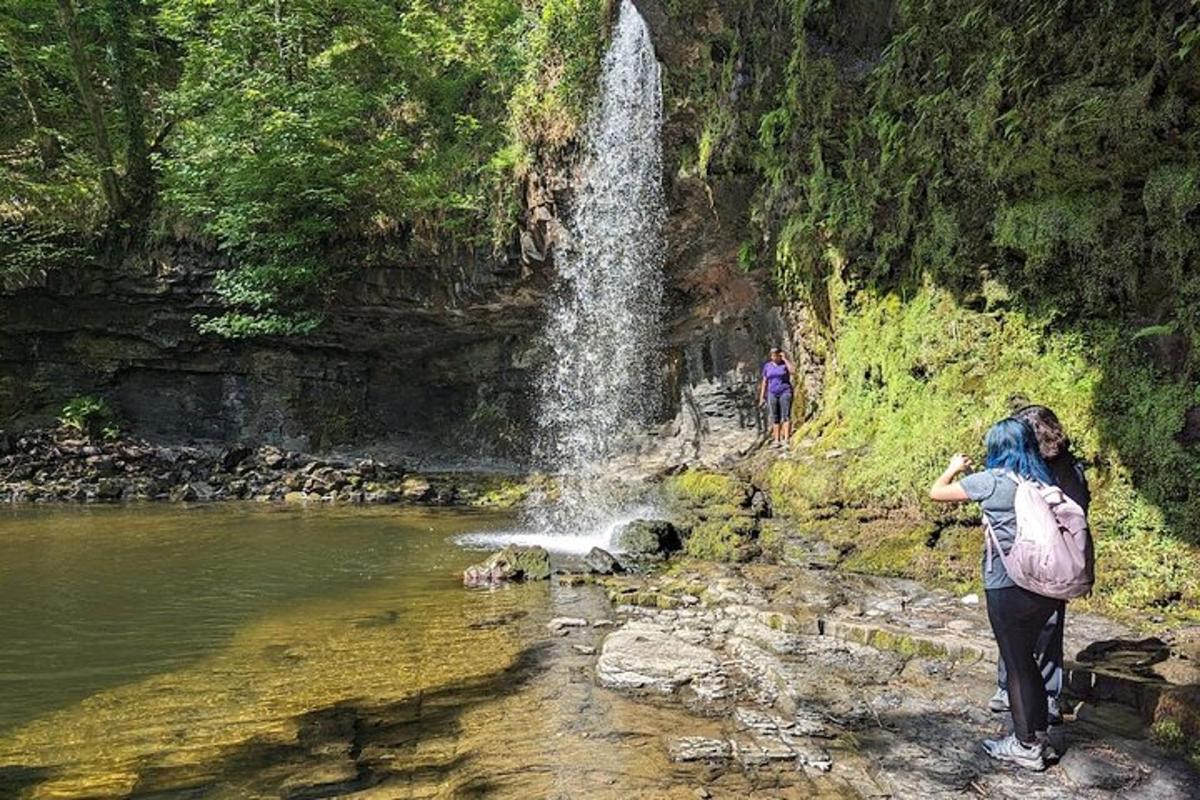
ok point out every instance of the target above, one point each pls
(879, 685)
(44, 467)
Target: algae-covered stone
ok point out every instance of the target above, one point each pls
(510, 564)
(701, 488)
(647, 538)
(417, 489)
(730, 539)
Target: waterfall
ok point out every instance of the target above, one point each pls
(603, 376)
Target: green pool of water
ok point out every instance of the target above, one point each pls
(95, 598)
(235, 652)
(133, 635)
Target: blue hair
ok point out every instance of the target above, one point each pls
(1012, 445)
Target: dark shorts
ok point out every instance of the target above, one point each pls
(779, 407)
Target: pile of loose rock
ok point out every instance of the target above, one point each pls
(43, 467)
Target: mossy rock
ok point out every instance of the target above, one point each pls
(702, 488)
(892, 555)
(500, 493)
(800, 487)
(510, 564)
(730, 539)
(1178, 709)
(647, 539)
(902, 547)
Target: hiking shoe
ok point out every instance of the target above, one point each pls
(1054, 711)
(1014, 751)
(999, 701)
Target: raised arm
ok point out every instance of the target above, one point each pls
(946, 489)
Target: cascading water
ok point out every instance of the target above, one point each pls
(602, 380)
(602, 375)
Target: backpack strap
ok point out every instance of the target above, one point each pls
(993, 545)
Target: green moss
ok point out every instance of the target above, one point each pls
(771, 538)
(805, 485)
(915, 379)
(502, 493)
(890, 555)
(696, 489)
(729, 539)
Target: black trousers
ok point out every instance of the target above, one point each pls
(1018, 616)
(1049, 653)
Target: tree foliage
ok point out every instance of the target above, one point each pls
(298, 137)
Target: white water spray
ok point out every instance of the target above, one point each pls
(603, 374)
(602, 380)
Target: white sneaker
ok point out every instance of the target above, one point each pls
(1014, 751)
(999, 701)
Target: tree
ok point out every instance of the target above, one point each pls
(49, 149)
(84, 74)
(138, 176)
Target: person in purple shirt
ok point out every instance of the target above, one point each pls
(775, 392)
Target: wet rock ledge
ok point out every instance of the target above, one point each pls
(878, 686)
(41, 467)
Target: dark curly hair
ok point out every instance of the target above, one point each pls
(1051, 438)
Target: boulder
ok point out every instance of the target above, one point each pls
(647, 538)
(602, 562)
(510, 564)
(416, 489)
(231, 457)
(643, 656)
(109, 489)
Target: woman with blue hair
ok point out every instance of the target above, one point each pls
(1017, 615)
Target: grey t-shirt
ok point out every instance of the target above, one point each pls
(996, 494)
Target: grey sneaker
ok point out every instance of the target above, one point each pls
(999, 701)
(1012, 750)
(1054, 711)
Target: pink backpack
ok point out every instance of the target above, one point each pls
(1052, 553)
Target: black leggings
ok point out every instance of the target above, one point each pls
(1017, 616)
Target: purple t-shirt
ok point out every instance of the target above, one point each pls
(778, 380)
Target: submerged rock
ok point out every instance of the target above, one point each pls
(558, 623)
(510, 564)
(602, 562)
(647, 538)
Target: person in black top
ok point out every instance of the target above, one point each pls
(1068, 475)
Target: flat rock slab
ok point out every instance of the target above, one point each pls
(644, 656)
(559, 623)
(1099, 768)
(699, 748)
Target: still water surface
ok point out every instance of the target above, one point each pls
(233, 652)
(93, 598)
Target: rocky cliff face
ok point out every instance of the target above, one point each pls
(422, 355)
